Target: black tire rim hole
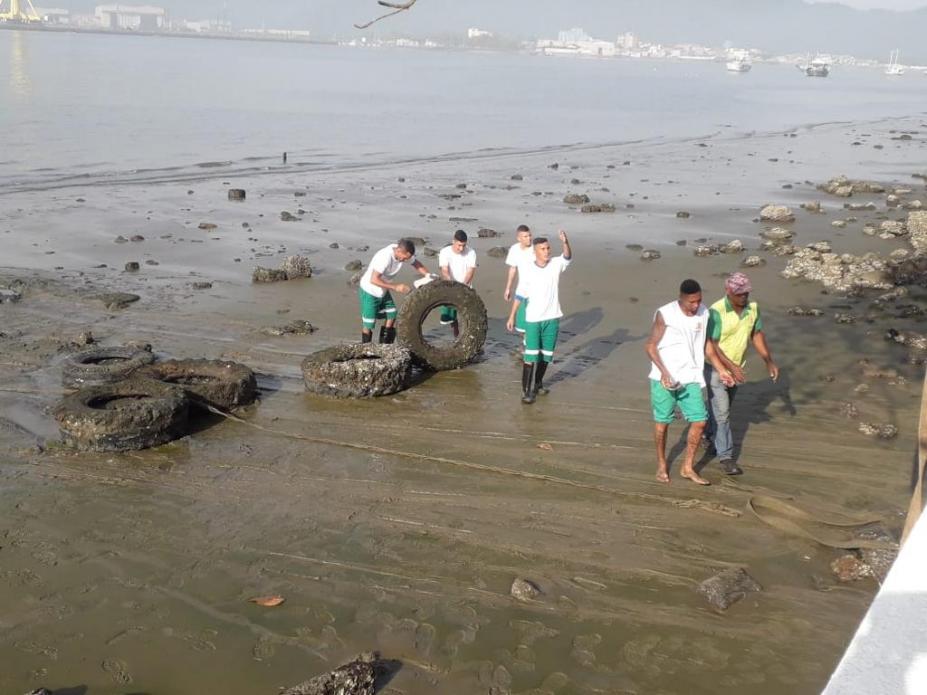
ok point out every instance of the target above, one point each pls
(104, 361)
(191, 379)
(116, 401)
(440, 336)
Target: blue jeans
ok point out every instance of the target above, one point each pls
(718, 429)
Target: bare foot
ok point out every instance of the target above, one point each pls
(663, 475)
(694, 477)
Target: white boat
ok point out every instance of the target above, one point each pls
(894, 68)
(816, 67)
(739, 61)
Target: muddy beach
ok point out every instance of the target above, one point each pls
(399, 524)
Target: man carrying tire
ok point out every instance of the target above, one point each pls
(458, 264)
(539, 281)
(376, 302)
(520, 252)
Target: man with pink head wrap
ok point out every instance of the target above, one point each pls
(733, 324)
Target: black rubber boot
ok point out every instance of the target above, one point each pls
(539, 379)
(387, 335)
(366, 337)
(529, 394)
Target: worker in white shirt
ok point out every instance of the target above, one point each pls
(457, 263)
(520, 252)
(376, 302)
(540, 282)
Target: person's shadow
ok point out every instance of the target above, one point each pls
(586, 356)
(573, 325)
(753, 405)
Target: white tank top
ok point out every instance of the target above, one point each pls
(682, 347)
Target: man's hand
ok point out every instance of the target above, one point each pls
(728, 379)
(668, 382)
(737, 373)
(402, 288)
(563, 236)
(508, 294)
(510, 324)
(773, 370)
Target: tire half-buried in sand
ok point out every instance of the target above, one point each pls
(471, 318)
(131, 414)
(218, 383)
(358, 370)
(103, 365)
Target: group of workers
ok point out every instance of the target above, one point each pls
(691, 347)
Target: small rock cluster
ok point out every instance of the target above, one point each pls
(728, 587)
(292, 267)
(842, 187)
(843, 273)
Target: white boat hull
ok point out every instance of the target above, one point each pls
(738, 66)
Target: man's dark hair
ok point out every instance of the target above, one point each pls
(460, 235)
(406, 246)
(523, 228)
(539, 240)
(689, 287)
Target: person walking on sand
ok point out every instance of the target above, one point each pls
(457, 263)
(677, 349)
(520, 252)
(376, 302)
(539, 281)
(733, 323)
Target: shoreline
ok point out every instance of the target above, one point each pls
(219, 171)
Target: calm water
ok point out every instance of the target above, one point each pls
(114, 106)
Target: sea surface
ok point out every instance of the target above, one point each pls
(85, 108)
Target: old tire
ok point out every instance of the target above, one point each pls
(129, 415)
(471, 318)
(221, 384)
(358, 370)
(97, 366)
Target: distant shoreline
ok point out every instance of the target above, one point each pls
(10, 26)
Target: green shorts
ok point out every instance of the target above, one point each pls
(448, 315)
(541, 339)
(373, 308)
(520, 314)
(688, 398)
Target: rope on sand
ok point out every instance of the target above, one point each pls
(541, 477)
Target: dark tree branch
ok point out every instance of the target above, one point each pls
(397, 7)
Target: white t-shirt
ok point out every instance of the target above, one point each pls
(515, 257)
(458, 263)
(385, 263)
(682, 347)
(541, 287)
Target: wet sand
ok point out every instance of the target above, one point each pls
(131, 573)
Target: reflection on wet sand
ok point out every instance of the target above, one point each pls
(20, 78)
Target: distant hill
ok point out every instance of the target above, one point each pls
(778, 26)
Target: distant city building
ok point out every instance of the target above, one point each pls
(574, 35)
(628, 42)
(474, 33)
(131, 17)
(206, 26)
(293, 34)
(54, 15)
